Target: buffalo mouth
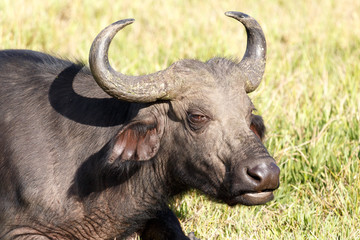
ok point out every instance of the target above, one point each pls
(250, 199)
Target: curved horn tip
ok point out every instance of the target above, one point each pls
(236, 15)
(124, 21)
(253, 61)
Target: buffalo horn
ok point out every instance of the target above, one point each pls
(253, 61)
(146, 88)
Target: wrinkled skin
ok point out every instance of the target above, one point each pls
(78, 164)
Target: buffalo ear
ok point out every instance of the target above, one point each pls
(257, 126)
(136, 142)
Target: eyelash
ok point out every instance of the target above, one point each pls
(197, 118)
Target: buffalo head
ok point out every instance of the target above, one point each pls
(195, 120)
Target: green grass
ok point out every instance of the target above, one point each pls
(309, 98)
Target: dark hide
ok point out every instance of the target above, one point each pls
(78, 164)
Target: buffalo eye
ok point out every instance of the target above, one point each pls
(197, 120)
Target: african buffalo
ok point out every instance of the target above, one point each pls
(82, 162)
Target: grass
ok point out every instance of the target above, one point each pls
(309, 97)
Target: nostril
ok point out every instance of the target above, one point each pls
(255, 173)
(266, 175)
